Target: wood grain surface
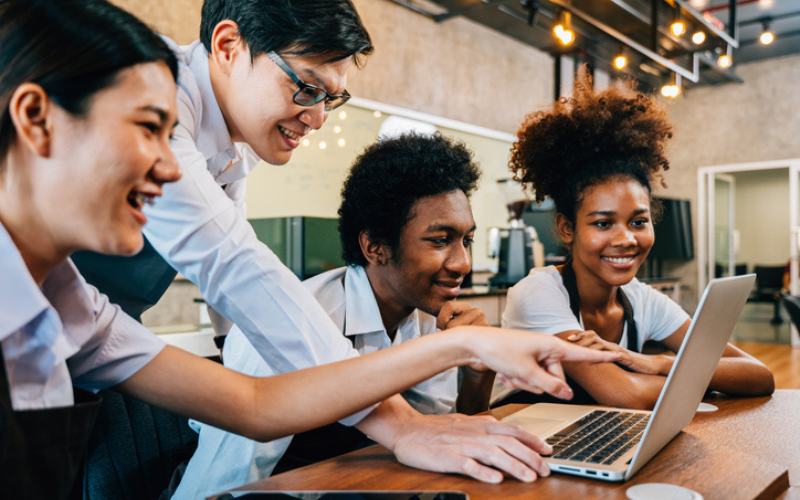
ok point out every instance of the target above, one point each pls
(748, 449)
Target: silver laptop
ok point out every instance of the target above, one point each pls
(612, 444)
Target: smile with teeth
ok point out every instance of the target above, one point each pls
(288, 133)
(137, 199)
(619, 260)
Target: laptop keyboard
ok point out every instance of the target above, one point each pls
(600, 437)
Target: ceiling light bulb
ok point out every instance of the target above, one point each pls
(766, 37)
(376, 114)
(671, 91)
(337, 129)
(322, 145)
(724, 61)
(340, 142)
(342, 115)
(620, 61)
(699, 37)
(678, 28)
(306, 142)
(558, 30)
(567, 37)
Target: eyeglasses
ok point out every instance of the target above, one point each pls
(309, 95)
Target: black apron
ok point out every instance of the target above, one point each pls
(134, 283)
(581, 397)
(41, 450)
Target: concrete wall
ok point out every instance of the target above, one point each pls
(732, 123)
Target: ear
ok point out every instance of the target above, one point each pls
(565, 229)
(376, 253)
(226, 44)
(31, 113)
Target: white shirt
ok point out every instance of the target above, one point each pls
(347, 297)
(540, 302)
(63, 334)
(200, 229)
(224, 460)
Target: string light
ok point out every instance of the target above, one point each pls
(673, 89)
(620, 61)
(699, 37)
(724, 61)
(678, 27)
(323, 145)
(376, 114)
(563, 30)
(342, 115)
(337, 129)
(306, 142)
(767, 37)
(341, 143)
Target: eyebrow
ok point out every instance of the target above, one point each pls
(311, 73)
(162, 115)
(611, 213)
(445, 227)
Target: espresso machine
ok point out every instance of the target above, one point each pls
(517, 246)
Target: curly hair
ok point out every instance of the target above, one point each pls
(587, 139)
(389, 177)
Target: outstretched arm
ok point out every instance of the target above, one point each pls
(267, 408)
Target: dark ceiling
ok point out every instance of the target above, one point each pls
(603, 28)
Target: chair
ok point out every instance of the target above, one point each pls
(769, 281)
(134, 450)
(792, 304)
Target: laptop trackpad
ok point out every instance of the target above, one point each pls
(534, 425)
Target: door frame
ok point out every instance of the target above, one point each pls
(705, 215)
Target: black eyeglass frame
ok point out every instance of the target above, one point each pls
(332, 101)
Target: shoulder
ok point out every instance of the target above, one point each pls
(540, 302)
(328, 288)
(189, 97)
(541, 281)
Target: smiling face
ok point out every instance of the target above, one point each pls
(257, 101)
(434, 254)
(613, 232)
(107, 164)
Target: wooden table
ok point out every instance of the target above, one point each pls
(748, 449)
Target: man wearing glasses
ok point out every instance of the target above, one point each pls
(264, 74)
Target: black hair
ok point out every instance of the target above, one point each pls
(588, 139)
(328, 28)
(72, 49)
(389, 177)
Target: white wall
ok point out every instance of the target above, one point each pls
(762, 216)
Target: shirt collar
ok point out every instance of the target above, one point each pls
(20, 296)
(213, 137)
(362, 314)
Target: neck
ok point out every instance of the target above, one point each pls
(391, 309)
(27, 228)
(597, 296)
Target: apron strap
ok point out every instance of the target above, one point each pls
(571, 284)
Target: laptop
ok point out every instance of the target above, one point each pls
(612, 444)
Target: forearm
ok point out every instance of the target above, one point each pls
(268, 408)
(611, 385)
(475, 391)
(742, 377)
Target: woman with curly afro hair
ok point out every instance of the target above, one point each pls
(597, 154)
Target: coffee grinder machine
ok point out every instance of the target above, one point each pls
(517, 246)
